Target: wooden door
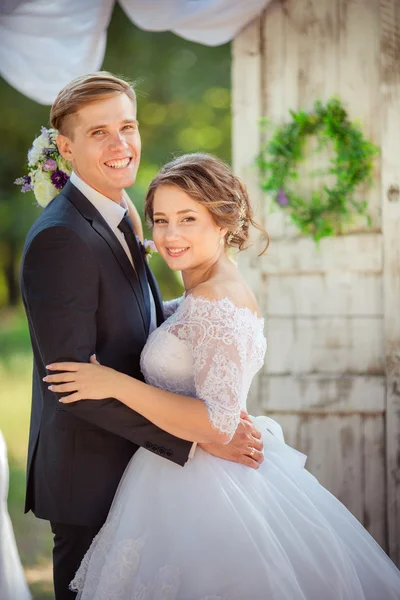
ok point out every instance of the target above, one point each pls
(332, 375)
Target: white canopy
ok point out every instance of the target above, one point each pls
(46, 43)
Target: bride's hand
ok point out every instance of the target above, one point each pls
(82, 381)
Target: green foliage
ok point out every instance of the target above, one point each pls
(326, 211)
(14, 336)
(183, 106)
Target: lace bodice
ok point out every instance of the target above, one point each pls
(207, 349)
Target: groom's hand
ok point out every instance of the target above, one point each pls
(245, 447)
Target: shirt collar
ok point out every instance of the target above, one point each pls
(111, 212)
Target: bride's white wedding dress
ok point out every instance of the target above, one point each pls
(12, 581)
(216, 530)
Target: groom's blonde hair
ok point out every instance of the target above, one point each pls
(82, 91)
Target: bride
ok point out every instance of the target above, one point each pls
(214, 530)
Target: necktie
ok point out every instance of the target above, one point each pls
(138, 260)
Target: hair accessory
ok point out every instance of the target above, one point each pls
(242, 210)
(242, 216)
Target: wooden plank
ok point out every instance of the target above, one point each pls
(279, 93)
(317, 76)
(328, 393)
(316, 22)
(374, 517)
(246, 102)
(325, 345)
(333, 293)
(350, 253)
(358, 85)
(390, 152)
(346, 474)
(246, 113)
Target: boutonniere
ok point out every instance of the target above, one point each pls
(148, 247)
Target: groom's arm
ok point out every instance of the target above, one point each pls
(60, 283)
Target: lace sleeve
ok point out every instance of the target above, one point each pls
(219, 358)
(170, 306)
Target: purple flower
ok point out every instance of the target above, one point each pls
(59, 179)
(49, 165)
(149, 246)
(281, 198)
(45, 131)
(25, 181)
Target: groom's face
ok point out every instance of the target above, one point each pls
(103, 144)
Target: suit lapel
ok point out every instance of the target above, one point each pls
(90, 213)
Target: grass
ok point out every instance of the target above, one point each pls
(33, 535)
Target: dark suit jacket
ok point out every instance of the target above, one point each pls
(82, 296)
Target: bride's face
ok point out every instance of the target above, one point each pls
(184, 231)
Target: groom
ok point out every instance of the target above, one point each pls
(87, 288)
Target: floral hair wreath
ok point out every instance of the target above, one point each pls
(48, 171)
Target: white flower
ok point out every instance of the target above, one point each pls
(64, 165)
(36, 152)
(53, 133)
(43, 189)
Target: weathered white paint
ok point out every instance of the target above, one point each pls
(351, 253)
(325, 393)
(332, 375)
(390, 120)
(246, 112)
(336, 293)
(325, 344)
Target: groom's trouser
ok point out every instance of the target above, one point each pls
(71, 543)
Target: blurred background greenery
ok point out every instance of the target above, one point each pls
(183, 106)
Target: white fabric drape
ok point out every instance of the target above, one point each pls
(46, 43)
(209, 22)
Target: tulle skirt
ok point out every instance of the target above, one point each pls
(12, 581)
(216, 530)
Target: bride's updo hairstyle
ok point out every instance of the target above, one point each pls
(210, 182)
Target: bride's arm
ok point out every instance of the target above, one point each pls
(134, 215)
(182, 416)
(218, 376)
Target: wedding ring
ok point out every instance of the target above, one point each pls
(252, 451)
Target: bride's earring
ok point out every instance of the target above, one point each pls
(221, 241)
